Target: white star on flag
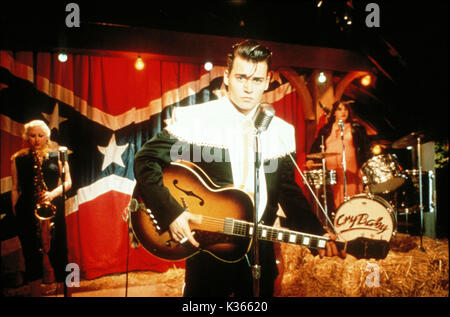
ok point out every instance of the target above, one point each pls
(113, 153)
(54, 120)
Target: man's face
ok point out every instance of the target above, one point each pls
(246, 83)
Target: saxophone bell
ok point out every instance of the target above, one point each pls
(45, 210)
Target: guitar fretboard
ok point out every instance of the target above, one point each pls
(245, 229)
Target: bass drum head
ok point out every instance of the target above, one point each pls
(366, 216)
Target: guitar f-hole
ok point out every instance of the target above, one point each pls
(188, 192)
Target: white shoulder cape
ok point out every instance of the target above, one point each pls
(218, 124)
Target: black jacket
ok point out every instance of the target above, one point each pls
(361, 142)
(282, 188)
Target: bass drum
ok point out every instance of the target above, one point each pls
(408, 196)
(365, 216)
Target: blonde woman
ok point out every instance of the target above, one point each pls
(24, 198)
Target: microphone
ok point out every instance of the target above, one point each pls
(341, 125)
(63, 154)
(263, 116)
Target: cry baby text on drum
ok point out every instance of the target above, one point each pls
(368, 223)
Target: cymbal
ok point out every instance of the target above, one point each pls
(408, 140)
(313, 165)
(320, 155)
(383, 142)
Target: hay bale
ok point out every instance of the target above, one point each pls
(405, 272)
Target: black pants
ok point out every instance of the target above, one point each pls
(27, 227)
(207, 276)
(27, 231)
(58, 253)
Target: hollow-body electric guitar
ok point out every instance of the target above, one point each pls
(224, 228)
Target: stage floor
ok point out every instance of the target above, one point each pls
(407, 271)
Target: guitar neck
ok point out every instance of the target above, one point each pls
(245, 229)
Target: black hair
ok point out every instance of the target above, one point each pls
(334, 107)
(250, 50)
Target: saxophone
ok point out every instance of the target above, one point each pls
(44, 211)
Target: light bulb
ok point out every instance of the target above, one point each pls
(377, 149)
(322, 78)
(139, 64)
(208, 66)
(366, 80)
(62, 57)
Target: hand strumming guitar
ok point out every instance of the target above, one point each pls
(180, 229)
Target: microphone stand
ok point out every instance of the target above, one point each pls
(256, 268)
(305, 180)
(261, 121)
(421, 207)
(63, 178)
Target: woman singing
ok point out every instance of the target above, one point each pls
(357, 151)
(35, 168)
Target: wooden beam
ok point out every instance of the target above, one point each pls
(302, 92)
(201, 47)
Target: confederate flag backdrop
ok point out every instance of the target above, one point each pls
(103, 110)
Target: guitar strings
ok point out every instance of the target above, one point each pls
(243, 228)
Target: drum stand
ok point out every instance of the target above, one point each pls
(324, 182)
(419, 163)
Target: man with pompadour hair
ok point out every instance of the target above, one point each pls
(225, 127)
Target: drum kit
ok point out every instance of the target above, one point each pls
(390, 192)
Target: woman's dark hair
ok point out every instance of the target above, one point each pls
(250, 50)
(334, 107)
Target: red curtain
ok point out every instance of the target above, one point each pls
(97, 105)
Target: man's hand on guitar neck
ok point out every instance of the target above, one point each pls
(180, 229)
(331, 248)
